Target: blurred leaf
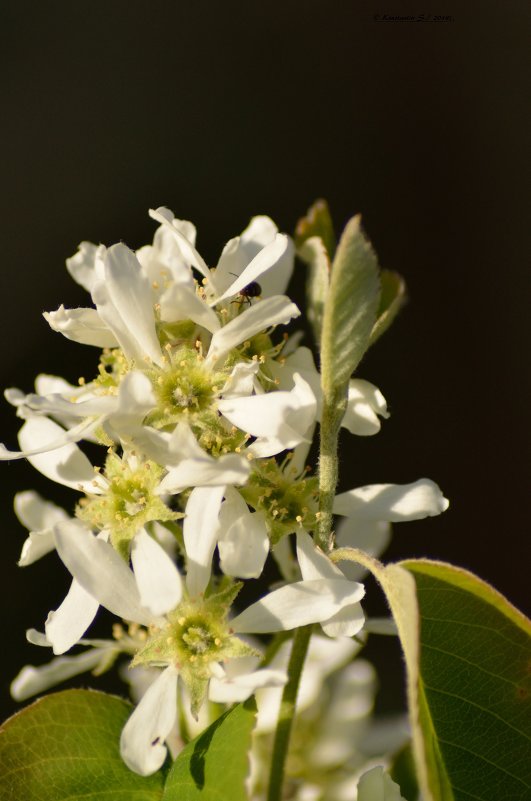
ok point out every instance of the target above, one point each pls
(215, 766)
(316, 222)
(474, 687)
(350, 309)
(66, 747)
(392, 299)
(402, 771)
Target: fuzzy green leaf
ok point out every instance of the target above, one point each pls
(350, 309)
(392, 299)
(66, 747)
(215, 765)
(474, 687)
(313, 252)
(316, 222)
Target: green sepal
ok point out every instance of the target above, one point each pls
(221, 594)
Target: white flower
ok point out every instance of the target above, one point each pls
(323, 596)
(125, 286)
(156, 589)
(349, 619)
(369, 510)
(365, 402)
(260, 253)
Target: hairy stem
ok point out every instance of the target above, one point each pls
(286, 713)
(333, 411)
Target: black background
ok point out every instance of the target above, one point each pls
(225, 110)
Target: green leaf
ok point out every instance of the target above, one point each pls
(215, 765)
(314, 254)
(66, 746)
(350, 309)
(392, 299)
(316, 222)
(474, 687)
(468, 658)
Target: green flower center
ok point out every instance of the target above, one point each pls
(129, 502)
(288, 503)
(183, 387)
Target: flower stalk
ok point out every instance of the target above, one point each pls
(333, 412)
(299, 649)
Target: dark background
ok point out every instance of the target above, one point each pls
(225, 110)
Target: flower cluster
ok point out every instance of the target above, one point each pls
(205, 413)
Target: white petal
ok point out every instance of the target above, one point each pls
(345, 623)
(83, 266)
(37, 545)
(98, 568)
(141, 743)
(241, 381)
(125, 303)
(182, 303)
(238, 252)
(376, 785)
(232, 691)
(392, 502)
(157, 578)
(371, 536)
(163, 261)
(278, 310)
(81, 325)
(188, 251)
(200, 531)
(297, 605)
(232, 262)
(384, 626)
(65, 627)
(365, 402)
(35, 680)
(67, 465)
(71, 435)
(35, 513)
(324, 657)
(285, 416)
(263, 261)
(314, 564)
(37, 638)
(243, 542)
(74, 406)
(135, 399)
(46, 384)
(259, 233)
(206, 472)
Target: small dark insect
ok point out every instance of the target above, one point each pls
(252, 290)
